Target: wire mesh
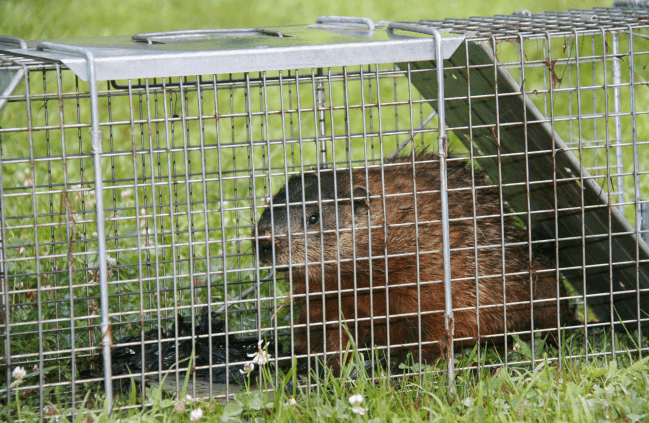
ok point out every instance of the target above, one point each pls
(190, 165)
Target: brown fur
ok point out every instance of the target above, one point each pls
(400, 274)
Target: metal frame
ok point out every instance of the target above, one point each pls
(363, 48)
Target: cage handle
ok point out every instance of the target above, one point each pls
(5, 39)
(160, 37)
(347, 20)
(411, 27)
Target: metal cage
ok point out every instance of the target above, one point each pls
(135, 171)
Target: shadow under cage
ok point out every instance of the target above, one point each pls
(209, 195)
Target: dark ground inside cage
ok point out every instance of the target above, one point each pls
(131, 356)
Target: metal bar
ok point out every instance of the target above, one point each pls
(5, 277)
(96, 139)
(335, 178)
(369, 225)
(609, 202)
(442, 179)
(223, 241)
(193, 34)
(13, 40)
(442, 141)
(640, 220)
(347, 20)
(11, 86)
(498, 173)
(617, 80)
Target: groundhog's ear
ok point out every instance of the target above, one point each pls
(360, 197)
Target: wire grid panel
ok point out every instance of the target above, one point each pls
(190, 166)
(582, 73)
(593, 108)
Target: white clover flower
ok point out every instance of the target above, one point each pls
(196, 415)
(225, 203)
(109, 260)
(27, 171)
(188, 397)
(359, 410)
(126, 194)
(142, 210)
(517, 347)
(291, 401)
(94, 234)
(248, 368)
(19, 374)
(21, 251)
(355, 399)
(261, 357)
(468, 401)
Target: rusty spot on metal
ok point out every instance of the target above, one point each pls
(446, 342)
(68, 209)
(108, 335)
(555, 79)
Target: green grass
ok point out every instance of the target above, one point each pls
(84, 18)
(577, 391)
(571, 390)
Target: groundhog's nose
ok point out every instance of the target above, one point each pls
(265, 248)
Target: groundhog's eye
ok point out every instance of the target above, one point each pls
(313, 219)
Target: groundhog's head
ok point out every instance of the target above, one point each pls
(304, 230)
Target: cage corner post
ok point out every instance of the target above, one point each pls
(442, 140)
(97, 150)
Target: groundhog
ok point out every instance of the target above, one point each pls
(343, 231)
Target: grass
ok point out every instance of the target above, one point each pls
(55, 289)
(571, 390)
(84, 18)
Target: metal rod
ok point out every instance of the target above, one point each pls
(5, 39)
(321, 104)
(617, 80)
(11, 87)
(96, 140)
(347, 20)
(449, 324)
